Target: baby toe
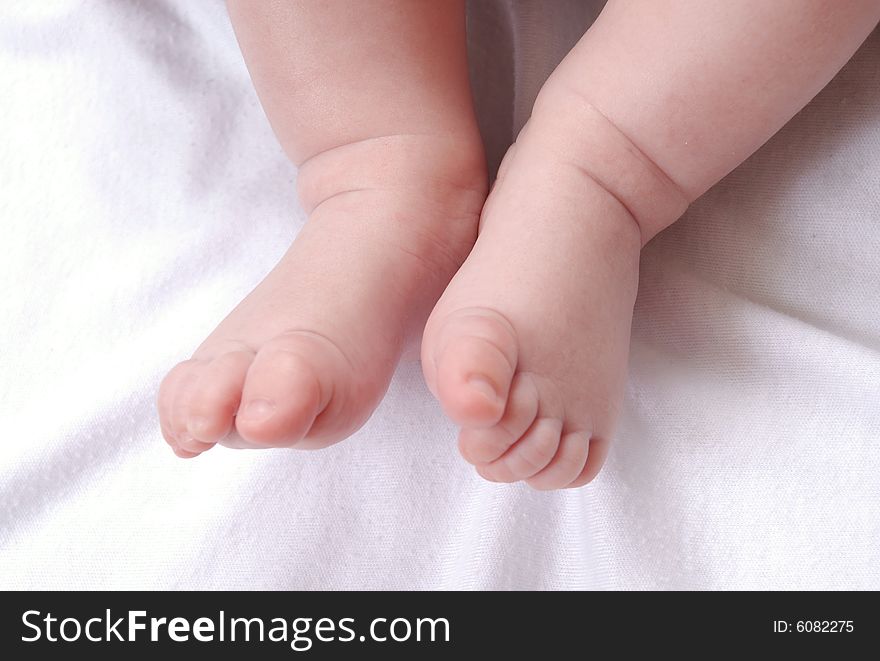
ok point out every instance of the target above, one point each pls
(597, 453)
(216, 397)
(175, 394)
(529, 455)
(166, 401)
(184, 454)
(566, 465)
(482, 446)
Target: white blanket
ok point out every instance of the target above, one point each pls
(142, 194)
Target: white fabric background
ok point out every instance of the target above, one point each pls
(142, 195)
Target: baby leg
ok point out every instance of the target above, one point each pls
(527, 348)
(371, 100)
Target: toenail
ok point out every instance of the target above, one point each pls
(197, 425)
(258, 409)
(482, 385)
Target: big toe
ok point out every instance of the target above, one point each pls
(474, 362)
(287, 386)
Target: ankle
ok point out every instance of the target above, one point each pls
(450, 165)
(576, 133)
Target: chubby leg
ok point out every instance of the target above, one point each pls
(527, 348)
(371, 100)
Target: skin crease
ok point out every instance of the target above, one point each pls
(526, 349)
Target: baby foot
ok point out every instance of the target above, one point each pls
(307, 356)
(527, 348)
